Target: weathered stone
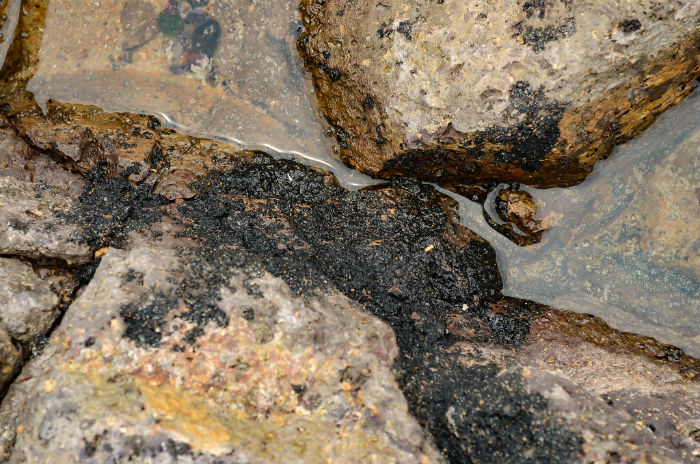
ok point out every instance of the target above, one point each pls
(244, 84)
(625, 244)
(139, 23)
(14, 153)
(9, 359)
(10, 14)
(535, 91)
(20, 161)
(32, 225)
(283, 379)
(29, 305)
(623, 401)
(201, 290)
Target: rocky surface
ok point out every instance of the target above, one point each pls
(237, 308)
(533, 91)
(624, 406)
(280, 378)
(10, 359)
(242, 82)
(30, 306)
(9, 11)
(32, 226)
(221, 338)
(625, 244)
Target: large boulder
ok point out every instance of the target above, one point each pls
(531, 91)
(280, 378)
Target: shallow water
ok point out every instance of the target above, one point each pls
(625, 244)
(227, 69)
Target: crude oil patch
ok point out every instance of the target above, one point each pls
(392, 249)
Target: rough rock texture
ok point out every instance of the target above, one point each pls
(31, 223)
(29, 306)
(209, 254)
(625, 244)
(533, 91)
(285, 379)
(606, 385)
(10, 359)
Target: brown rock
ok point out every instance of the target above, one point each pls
(625, 395)
(456, 92)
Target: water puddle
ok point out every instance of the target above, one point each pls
(224, 69)
(625, 244)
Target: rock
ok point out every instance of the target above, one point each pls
(620, 393)
(10, 359)
(139, 23)
(463, 92)
(14, 153)
(32, 226)
(213, 317)
(20, 161)
(625, 244)
(237, 60)
(279, 378)
(10, 15)
(30, 306)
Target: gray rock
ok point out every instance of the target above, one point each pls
(31, 225)
(285, 379)
(29, 306)
(19, 161)
(469, 91)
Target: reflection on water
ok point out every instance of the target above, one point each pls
(214, 68)
(625, 244)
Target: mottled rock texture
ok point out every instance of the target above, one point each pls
(28, 306)
(278, 378)
(239, 311)
(32, 223)
(10, 359)
(472, 91)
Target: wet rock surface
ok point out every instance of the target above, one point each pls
(625, 244)
(10, 359)
(457, 92)
(238, 308)
(284, 379)
(256, 261)
(224, 69)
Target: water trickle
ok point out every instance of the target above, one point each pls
(225, 69)
(625, 244)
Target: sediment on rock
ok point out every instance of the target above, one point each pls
(241, 307)
(464, 92)
(394, 251)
